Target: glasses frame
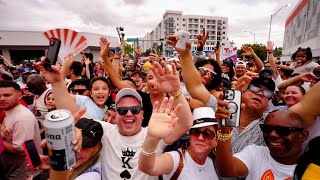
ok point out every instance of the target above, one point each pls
(263, 91)
(211, 73)
(282, 131)
(196, 132)
(124, 110)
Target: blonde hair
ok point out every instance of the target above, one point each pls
(85, 166)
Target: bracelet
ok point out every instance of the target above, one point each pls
(270, 52)
(116, 58)
(224, 136)
(177, 95)
(148, 154)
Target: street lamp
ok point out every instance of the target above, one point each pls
(254, 36)
(272, 16)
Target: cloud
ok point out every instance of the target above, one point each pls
(140, 16)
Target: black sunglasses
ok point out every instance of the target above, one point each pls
(124, 110)
(80, 91)
(281, 130)
(206, 134)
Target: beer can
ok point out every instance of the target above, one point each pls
(59, 131)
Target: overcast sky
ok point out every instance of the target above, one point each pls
(140, 16)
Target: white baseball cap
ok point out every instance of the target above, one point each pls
(128, 92)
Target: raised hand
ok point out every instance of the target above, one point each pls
(248, 51)
(68, 60)
(269, 46)
(169, 82)
(173, 39)
(138, 51)
(244, 81)
(51, 77)
(308, 77)
(104, 45)
(163, 119)
(202, 39)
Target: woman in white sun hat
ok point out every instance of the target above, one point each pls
(193, 161)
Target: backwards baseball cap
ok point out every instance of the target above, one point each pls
(241, 63)
(92, 132)
(203, 116)
(25, 70)
(125, 92)
(267, 71)
(264, 81)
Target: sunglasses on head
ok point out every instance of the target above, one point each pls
(266, 93)
(124, 110)
(206, 71)
(206, 134)
(281, 130)
(80, 91)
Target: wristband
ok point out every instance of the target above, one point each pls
(177, 95)
(223, 137)
(148, 154)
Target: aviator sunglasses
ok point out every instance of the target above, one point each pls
(206, 134)
(281, 130)
(124, 110)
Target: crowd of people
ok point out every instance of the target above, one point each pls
(151, 118)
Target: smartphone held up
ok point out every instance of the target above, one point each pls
(233, 97)
(53, 51)
(184, 36)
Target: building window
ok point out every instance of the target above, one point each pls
(177, 18)
(183, 25)
(183, 19)
(223, 32)
(223, 37)
(178, 24)
(223, 44)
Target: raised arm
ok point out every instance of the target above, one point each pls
(6, 61)
(227, 164)
(114, 76)
(169, 82)
(305, 77)
(136, 58)
(68, 60)
(190, 74)
(248, 51)
(308, 108)
(272, 60)
(161, 125)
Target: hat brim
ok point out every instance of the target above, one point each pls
(204, 124)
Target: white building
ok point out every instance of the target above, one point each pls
(303, 29)
(28, 45)
(173, 21)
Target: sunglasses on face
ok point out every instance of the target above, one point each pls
(124, 110)
(266, 93)
(281, 130)
(206, 134)
(205, 71)
(80, 91)
(14, 73)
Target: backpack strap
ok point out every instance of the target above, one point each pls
(179, 169)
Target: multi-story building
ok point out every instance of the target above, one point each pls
(303, 29)
(173, 21)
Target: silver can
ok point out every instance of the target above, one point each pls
(59, 130)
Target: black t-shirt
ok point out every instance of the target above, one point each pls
(91, 66)
(147, 108)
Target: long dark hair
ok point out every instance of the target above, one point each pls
(216, 80)
(311, 155)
